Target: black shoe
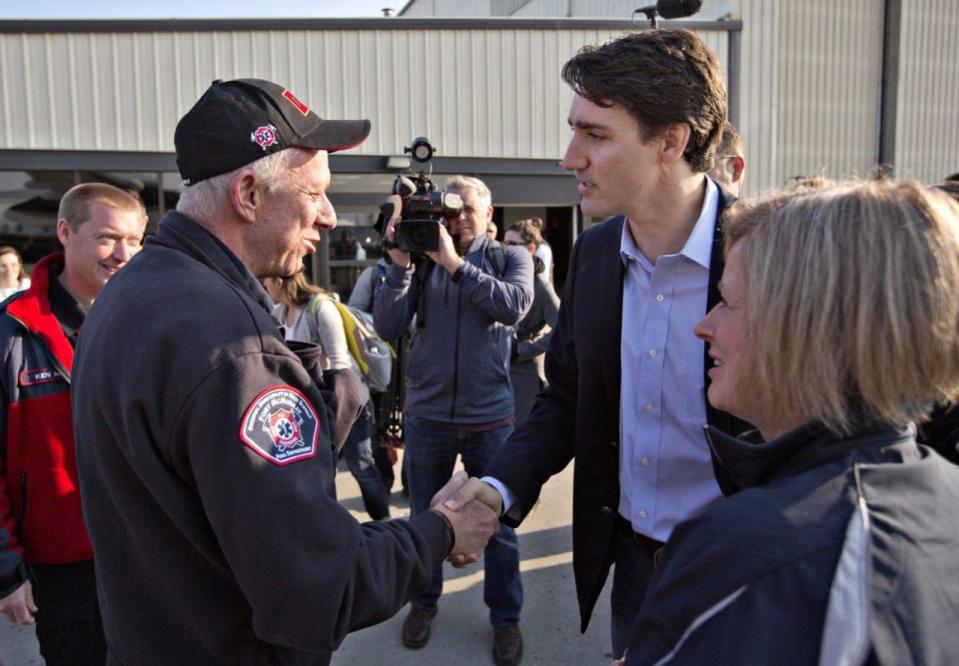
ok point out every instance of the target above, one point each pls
(507, 645)
(416, 627)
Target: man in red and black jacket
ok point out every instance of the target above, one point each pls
(46, 560)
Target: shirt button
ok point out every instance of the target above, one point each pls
(606, 510)
(652, 353)
(659, 298)
(645, 461)
(613, 444)
(642, 514)
(649, 407)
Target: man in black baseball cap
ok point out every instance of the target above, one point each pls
(205, 446)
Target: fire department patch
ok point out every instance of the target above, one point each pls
(264, 136)
(281, 425)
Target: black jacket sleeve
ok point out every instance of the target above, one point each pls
(310, 572)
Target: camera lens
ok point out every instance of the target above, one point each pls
(420, 236)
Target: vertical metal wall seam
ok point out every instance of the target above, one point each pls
(137, 91)
(93, 40)
(889, 87)
(51, 96)
(75, 101)
(177, 78)
(734, 55)
(5, 90)
(159, 98)
(117, 108)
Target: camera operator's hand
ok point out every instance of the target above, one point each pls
(399, 258)
(446, 256)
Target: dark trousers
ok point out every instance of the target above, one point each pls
(359, 458)
(431, 449)
(69, 627)
(632, 571)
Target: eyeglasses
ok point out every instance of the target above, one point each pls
(521, 243)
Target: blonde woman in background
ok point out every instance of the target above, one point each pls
(322, 325)
(12, 276)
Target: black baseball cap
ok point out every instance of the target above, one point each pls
(238, 122)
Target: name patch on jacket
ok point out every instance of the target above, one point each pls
(281, 425)
(34, 377)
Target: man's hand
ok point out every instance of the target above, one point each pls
(18, 606)
(446, 256)
(473, 525)
(462, 492)
(401, 259)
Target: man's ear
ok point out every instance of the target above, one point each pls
(737, 165)
(245, 194)
(63, 231)
(675, 137)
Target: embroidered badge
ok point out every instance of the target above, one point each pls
(300, 106)
(32, 377)
(281, 425)
(264, 136)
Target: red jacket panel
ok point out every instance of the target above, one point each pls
(39, 490)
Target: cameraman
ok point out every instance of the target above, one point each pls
(459, 399)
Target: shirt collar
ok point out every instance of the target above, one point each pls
(65, 308)
(477, 243)
(698, 247)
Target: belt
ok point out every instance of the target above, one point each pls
(648, 545)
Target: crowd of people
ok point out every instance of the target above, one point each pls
(739, 382)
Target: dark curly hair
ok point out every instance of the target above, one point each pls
(660, 77)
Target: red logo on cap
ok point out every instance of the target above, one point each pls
(300, 106)
(264, 136)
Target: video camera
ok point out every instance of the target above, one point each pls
(424, 206)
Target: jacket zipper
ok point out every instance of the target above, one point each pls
(21, 514)
(456, 358)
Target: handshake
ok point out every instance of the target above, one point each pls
(473, 508)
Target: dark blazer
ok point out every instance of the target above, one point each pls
(578, 415)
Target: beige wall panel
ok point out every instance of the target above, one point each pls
(475, 93)
(758, 91)
(927, 145)
(548, 8)
(830, 71)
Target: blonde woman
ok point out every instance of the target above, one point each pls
(295, 300)
(838, 328)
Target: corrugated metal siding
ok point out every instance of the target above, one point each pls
(477, 93)
(758, 90)
(927, 141)
(830, 71)
(546, 8)
(622, 9)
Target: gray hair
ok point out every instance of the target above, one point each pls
(203, 200)
(461, 183)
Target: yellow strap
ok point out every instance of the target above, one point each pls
(349, 326)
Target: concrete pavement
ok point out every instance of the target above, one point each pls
(461, 631)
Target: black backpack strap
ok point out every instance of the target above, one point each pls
(378, 280)
(497, 258)
(421, 277)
